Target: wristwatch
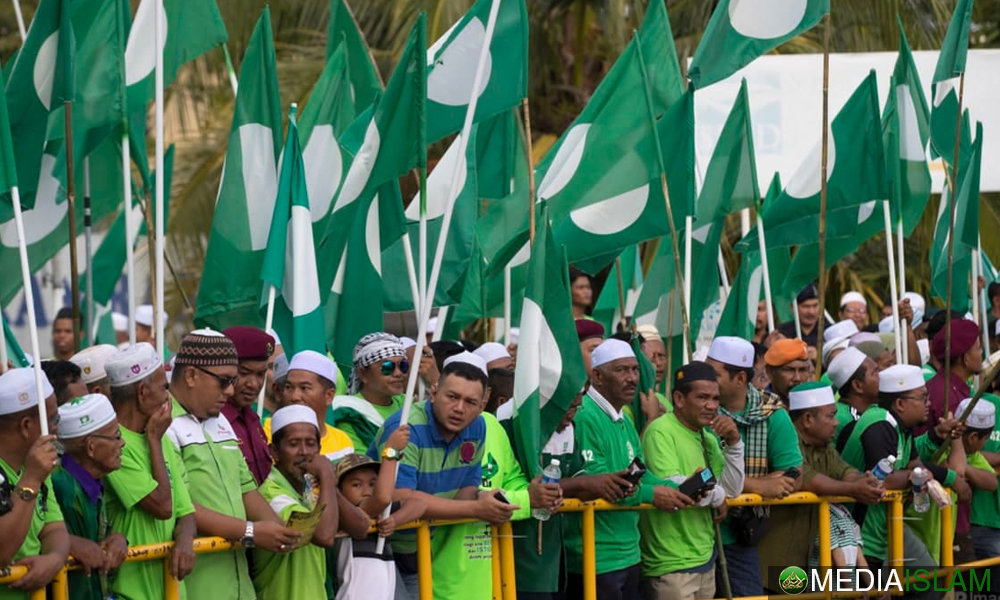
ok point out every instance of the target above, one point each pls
(390, 453)
(247, 540)
(26, 493)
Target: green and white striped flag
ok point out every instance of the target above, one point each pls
(290, 257)
(549, 372)
(741, 30)
(945, 84)
(731, 178)
(365, 84)
(607, 309)
(452, 62)
(230, 288)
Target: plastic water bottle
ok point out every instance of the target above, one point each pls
(551, 474)
(308, 482)
(921, 499)
(884, 467)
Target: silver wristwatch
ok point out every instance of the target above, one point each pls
(247, 540)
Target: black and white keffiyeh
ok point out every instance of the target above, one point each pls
(373, 348)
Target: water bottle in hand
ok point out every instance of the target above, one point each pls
(884, 467)
(551, 474)
(921, 499)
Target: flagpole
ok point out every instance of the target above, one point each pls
(229, 67)
(688, 237)
(29, 302)
(422, 243)
(823, 192)
(902, 281)
(893, 291)
(129, 232)
(20, 25)
(621, 292)
(3, 344)
(952, 200)
(159, 306)
(268, 323)
(506, 305)
(88, 238)
(531, 171)
(768, 301)
(723, 275)
(74, 270)
(745, 222)
(976, 268)
(798, 322)
(981, 298)
(411, 272)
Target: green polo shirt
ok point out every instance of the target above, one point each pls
(218, 476)
(85, 515)
(986, 505)
(299, 574)
(46, 511)
(125, 488)
(673, 542)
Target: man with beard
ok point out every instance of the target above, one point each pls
(253, 348)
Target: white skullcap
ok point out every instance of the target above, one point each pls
(407, 343)
(841, 330)
(852, 297)
(144, 315)
(132, 364)
(918, 305)
(996, 328)
(648, 331)
(844, 366)
(832, 346)
(119, 321)
(886, 325)
(983, 415)
(18, 391)
(609, 350)
(91, 361)
(862, 337)
(810, 395)
(900, 378)
(925, 351)
(293, 413)
(274, 334)
(84, 415)
(515, 334)
(491, 351)
(432, 324)
(314, 362)
(469, 359)
(280, 366)
(733, 351)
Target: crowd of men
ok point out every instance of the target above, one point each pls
(144, 450)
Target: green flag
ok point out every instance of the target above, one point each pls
(230, 288)
(945, 84)
(607, 309)
(647, 382)
(14, 352)
(549, 372)
(452, 62)
(8, 169)
(741, 30)
(290, 257)
(731, 178)
(363, 75)
(905, 131)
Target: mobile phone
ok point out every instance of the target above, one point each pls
(636, 469)
(793, 473)
(499, 495)
(696, 484)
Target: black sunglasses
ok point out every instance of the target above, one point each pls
(224, 381)
(389, 366)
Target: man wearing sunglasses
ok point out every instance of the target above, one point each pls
(223, 490)
(377, 386)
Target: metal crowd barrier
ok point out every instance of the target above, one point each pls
(504, 582)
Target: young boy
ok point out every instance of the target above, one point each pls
(361, 571)
(967, 459)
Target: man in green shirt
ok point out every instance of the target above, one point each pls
(147, 497)
(33, 532)
(377, 382)
(609, 443)
(678, 550)
(855, 377)
(223, 491)
(985, 516)
(88, 430)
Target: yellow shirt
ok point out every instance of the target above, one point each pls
(335, 444)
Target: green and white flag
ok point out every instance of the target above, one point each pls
(731, 178)
(326, 116)
(8, 169)
(741, 30)
(290, 257)
(230, 288)
(549, 372)
(365, 84)
(945, 84)
(452, 62)
(905, 131)
(607, 309)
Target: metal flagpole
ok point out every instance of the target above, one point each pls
(893, 291)
(688, 236)
(506, 305)
(268, 323)
(952, 200)
(88, 335)
(822, 194)
(74, 269)
(768, 301)
(159, 308)
(20, 19)
(902, 281)
(129, 231)
(723, 275)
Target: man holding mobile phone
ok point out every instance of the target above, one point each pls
(678, 550)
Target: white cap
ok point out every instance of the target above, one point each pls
(852, 297)
(491, 351)
(18, 392)
(925, 351)
(280, 366)
(407, 343)
(515, 334)
(293, 413)
(886, 325)
(119, 321)
(648, 331)
(841, 330)
(810, 395)
(918, 305)
(467, 358)
(900, 378)
(844, 366)
(832, 346)
(84, 415)
(314, 362)
(132, 364)
(432, 324)
(609, 350)
(983, 415)
(144, 315)
(733, 351)
(91, 361)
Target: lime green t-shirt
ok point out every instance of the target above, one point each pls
(126, 487)
(986, 505)
(361, 419)
(299, 574)
(46, 511)
(672, 542)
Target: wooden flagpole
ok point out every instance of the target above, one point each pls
(531, 171)
(822, 193)
(952, 200)
(74, 269)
